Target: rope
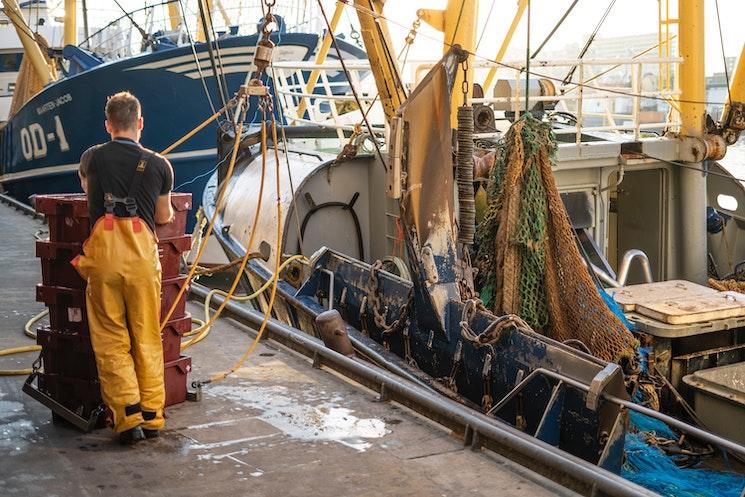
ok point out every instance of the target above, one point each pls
(275, 277)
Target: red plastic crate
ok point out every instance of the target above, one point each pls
(168, 292)
(56, 269)
(68, 219)
(80, 395)
(66, 308)
(68, 354)
(169, 251)
(67, 216)
(175, 379)
(171, 336)
(69, 313)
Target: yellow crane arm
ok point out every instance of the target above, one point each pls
(30, 47)
(377, 39)
(733, 117)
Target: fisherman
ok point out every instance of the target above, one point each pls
(129, 192)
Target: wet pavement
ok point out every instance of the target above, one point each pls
(276, 427)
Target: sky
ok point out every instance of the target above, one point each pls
(627, 17)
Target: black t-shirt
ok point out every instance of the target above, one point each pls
(118, 160)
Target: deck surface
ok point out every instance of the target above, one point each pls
(277, 428)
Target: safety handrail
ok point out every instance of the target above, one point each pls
(617, 99)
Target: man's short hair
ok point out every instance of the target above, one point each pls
(123, 111)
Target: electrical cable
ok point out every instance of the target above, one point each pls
(211, 225)
(247, 255)
(221, 68)
(694, 168)
(287, 157)
(210, 50)
(486, 23)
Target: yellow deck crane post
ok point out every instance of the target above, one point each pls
(30, 47)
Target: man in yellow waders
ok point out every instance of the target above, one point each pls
(129, 191)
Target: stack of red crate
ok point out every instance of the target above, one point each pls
(69, 369)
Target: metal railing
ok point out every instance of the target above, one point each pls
(606, 95)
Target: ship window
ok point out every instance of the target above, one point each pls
(727, 202)
(10, 62)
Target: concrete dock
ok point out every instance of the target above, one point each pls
(277, 427)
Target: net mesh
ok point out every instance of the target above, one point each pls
(529, 262)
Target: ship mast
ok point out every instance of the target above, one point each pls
(30, 47)
(458, 24)
(71, 22)
(692, 200)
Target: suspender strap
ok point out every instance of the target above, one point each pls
(129, 202)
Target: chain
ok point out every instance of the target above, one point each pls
(373, 297)
(355, 35)
(409, 40)
(36, 366)
(450, 382)
(465, 85)
(486, 400)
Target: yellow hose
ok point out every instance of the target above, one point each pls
(218, 205)
(275, 279)
(203, 331)
(26, 348)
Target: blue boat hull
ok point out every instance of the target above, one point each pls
(41, 145)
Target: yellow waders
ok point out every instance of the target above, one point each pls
(121, 266)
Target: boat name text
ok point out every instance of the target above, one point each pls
(53, 104)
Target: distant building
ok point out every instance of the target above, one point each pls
(716, 89)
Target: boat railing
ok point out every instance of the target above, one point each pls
(616, 95)
(320, 94)
(121, 37)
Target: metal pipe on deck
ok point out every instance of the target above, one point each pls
(691, 226)
(571, 470)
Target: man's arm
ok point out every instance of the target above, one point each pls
(163, 208)
(85, 161)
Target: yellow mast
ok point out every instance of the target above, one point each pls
(692, 78)
(71, 22)
(30, 47)
(321, 57)
(206, 5)
(174, 15)
(374, 31)
(521, 5)
(737, 86)
(458, 22)
(692, 193)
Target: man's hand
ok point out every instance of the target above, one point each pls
(164, 209)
